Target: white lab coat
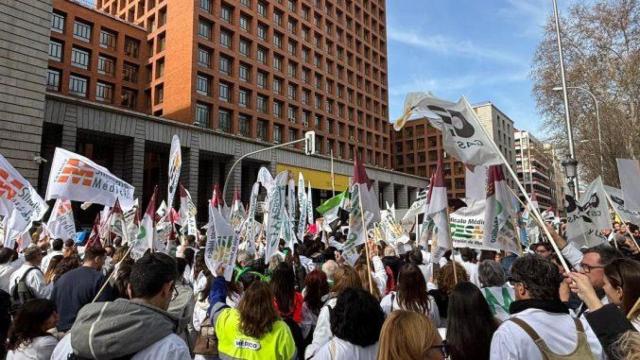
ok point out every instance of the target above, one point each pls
(388, 307)
(6, 270)
(171, 347)
(337, 349)
(35, 281)
(39, 348)
(558, 331)
(44, 265)
(322, 334)
(379, 275)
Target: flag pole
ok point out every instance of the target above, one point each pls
(366, 238)
(333, 178)
(622, 219)
(535, 211)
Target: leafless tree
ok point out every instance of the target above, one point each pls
(601, 43)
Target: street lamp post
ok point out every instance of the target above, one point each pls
(595, 100)
(567, 115)
(570, 166)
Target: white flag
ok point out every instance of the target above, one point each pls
(146, 231)
(77, 178)
(18, 199)
(499, 229)
(188, 213)
(304, 204)
(275, 221)
(618, 201)
(61, 224)
(310, 205)
(175, 164)
(222, 245)
(586, 218)
(265, 178)
(462, 134)
(629, 174)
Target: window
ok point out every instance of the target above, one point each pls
(107, 39)
(293, 135)
(204, 29)
(291, 113)
(78, 85)
(262, 129)
(226, 13)
(57, 22)
(291, 5)
(225, 39)
(277, 40)
(159, 94)
(291, 26)
(262, 32)
(244, 23)
(245, 45)
(291, 47)
(161, 42)
(306, 94)
(277, 86)
(131, 47)
(223, 92)
(277, 134)
(104, 92)
(291, 69)
(224, 120)
(262, 8)
(106, 65)
(277, 18)
(291, 91)
(129, 98)
(53, 80)
(205, 5)
(246, 3)
(244, 98)
(244, 72)
(80, 58)
(202, 114)
(277, 109)
(202, 85)
(261, 103)
(130, 72)
(55, 50)
(245, 125)
(262, 55)
(224, 65)
(277, 62)
(82, 31)
(262, 80)
(204, 57)
(160, 68)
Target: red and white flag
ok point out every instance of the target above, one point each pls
(146, 231)
(499, 216)
(436, 212)
(237, 212)
(94, 237)
(61, 224)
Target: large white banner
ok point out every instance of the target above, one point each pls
(585, 219)
(223, 245)
(17, 195)
(467, 225)
(77, 178)
(275, 221)
(629, 173)
(619, 204)
(175, 164)
(61, 224)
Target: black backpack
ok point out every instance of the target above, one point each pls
(21, 293)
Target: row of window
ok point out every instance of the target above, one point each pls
(79, 86)
(82, 30)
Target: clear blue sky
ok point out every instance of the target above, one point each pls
(482, 49)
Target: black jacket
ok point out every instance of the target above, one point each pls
(608, 323)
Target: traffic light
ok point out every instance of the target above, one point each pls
(310, 142)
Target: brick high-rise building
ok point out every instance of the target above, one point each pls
(534, 166)
(270, 70)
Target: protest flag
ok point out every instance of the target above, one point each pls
(175, 164)
(437, 213)
(303, 205)
(146, 230)
(188, 213)
(94, 237)
(61, 223)
(276, 214)
(499, 217)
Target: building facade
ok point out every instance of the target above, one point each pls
(558, 179)
(418, 145)
(535, 169)
(95, 78)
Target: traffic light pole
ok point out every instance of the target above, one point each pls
(309, 140)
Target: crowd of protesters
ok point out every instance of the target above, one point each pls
(63, 301)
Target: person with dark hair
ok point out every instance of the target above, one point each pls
(469, 259)
(356, 321)
(590, 261)
(288, 301)
(315, 293)
(79, 286)
(138, 329)
(540, 326)
(27, 282)
(253, 330)
(49, 274)
(182, 304)
(56, 249)
(543, 249)
(446, 281)
(9, 263)
(411, 295)
(28, 337)
(470, 323)
(499, 296)
(64, 266)
(69, 248)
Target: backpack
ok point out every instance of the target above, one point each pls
(21, 293)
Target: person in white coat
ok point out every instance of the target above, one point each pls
(56, 249)
(33, 276)
(495, 290)
(356, 321)
(28, 336)
(540, 326)
(9, 263)
(411, 295)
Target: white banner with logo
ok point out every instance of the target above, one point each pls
(61, 224)
(175, 164)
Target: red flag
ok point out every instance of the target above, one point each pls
(216, 197)
(94, 238)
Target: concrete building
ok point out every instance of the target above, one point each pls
(534, 167)
(558, 180)
(115, 125)
(417, 147)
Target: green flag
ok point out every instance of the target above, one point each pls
(333, 204)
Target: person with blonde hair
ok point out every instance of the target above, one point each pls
(410, 335)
